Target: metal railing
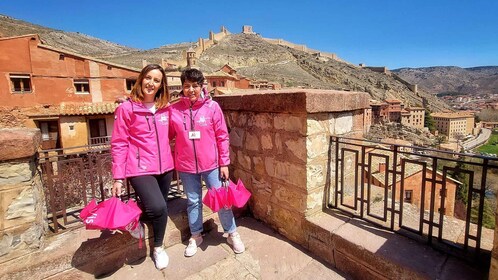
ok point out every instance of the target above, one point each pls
(103, 140)
(71, 177)
(439, 197)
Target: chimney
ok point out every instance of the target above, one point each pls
(382, 167)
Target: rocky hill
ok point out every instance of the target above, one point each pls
(72, 41)
(249, 54)
(258, 59)
(475, 80)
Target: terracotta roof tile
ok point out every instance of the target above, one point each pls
(88, 109)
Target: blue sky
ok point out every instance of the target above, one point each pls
(395, 34)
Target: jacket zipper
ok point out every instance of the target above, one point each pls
(147, 118)
(157, 142)
(138, 158)
(193, 141)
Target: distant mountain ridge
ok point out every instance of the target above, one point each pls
(249, 54)
(447, 79)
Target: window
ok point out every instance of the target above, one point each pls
(82, 86)
(20, 83)
(214, 84)
(49, 132)
(222, 84)
(98, 132)
(130, 83)
(408, 196)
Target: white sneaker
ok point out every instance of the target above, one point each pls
(193, 243)
(138, 232)
(161, 259)
(237, 244)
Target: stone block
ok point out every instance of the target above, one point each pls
(244, 161)
(17, 207)
(237, 137)
(288, 222)
(343, 123)
(385, 252)
(19, 143)
(261, 186)
(297, 148)
(16, 172)
(315, 175)
(317, 123)
(259, 166)
(266, 142)
(293, 198)
(290, 123)
(314, 201)
(278, 143)
(317, 145)
(262, 121)
(252, 142)
(314, 127)
(285, 171)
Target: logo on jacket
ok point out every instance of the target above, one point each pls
(163, 120)
(202, 121)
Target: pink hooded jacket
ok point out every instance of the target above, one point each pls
(212, 149)
(139, 144)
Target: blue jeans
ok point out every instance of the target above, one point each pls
(193, 187)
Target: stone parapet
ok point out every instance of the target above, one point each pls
(295, 101)
(22, 201)
(18, 143)
(279, 148)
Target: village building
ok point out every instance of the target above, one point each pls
(413, 116)
(394, 110)
(454, 125)
(69, 97)
(410, 186)
(226, 80)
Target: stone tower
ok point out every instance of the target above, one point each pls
(191, 58)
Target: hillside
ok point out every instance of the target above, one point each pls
(257, 59)
(476, 80)
(72, 41)
(250, 55)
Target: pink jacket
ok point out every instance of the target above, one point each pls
(138, 144)
(212, 149)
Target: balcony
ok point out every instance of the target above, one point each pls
(314, 181)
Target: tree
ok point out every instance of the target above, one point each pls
(429, 121)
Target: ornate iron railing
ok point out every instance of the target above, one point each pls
(72, 177)
(443, 198)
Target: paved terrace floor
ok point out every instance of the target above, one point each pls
(268, 255)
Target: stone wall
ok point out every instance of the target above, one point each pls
(22, 202)
(279, 142)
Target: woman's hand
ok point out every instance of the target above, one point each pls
(117, 187)
(224, 172)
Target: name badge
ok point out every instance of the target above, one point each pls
(194, 135)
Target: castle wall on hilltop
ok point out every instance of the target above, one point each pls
(303, 48)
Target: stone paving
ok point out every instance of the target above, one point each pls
(268, 255)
